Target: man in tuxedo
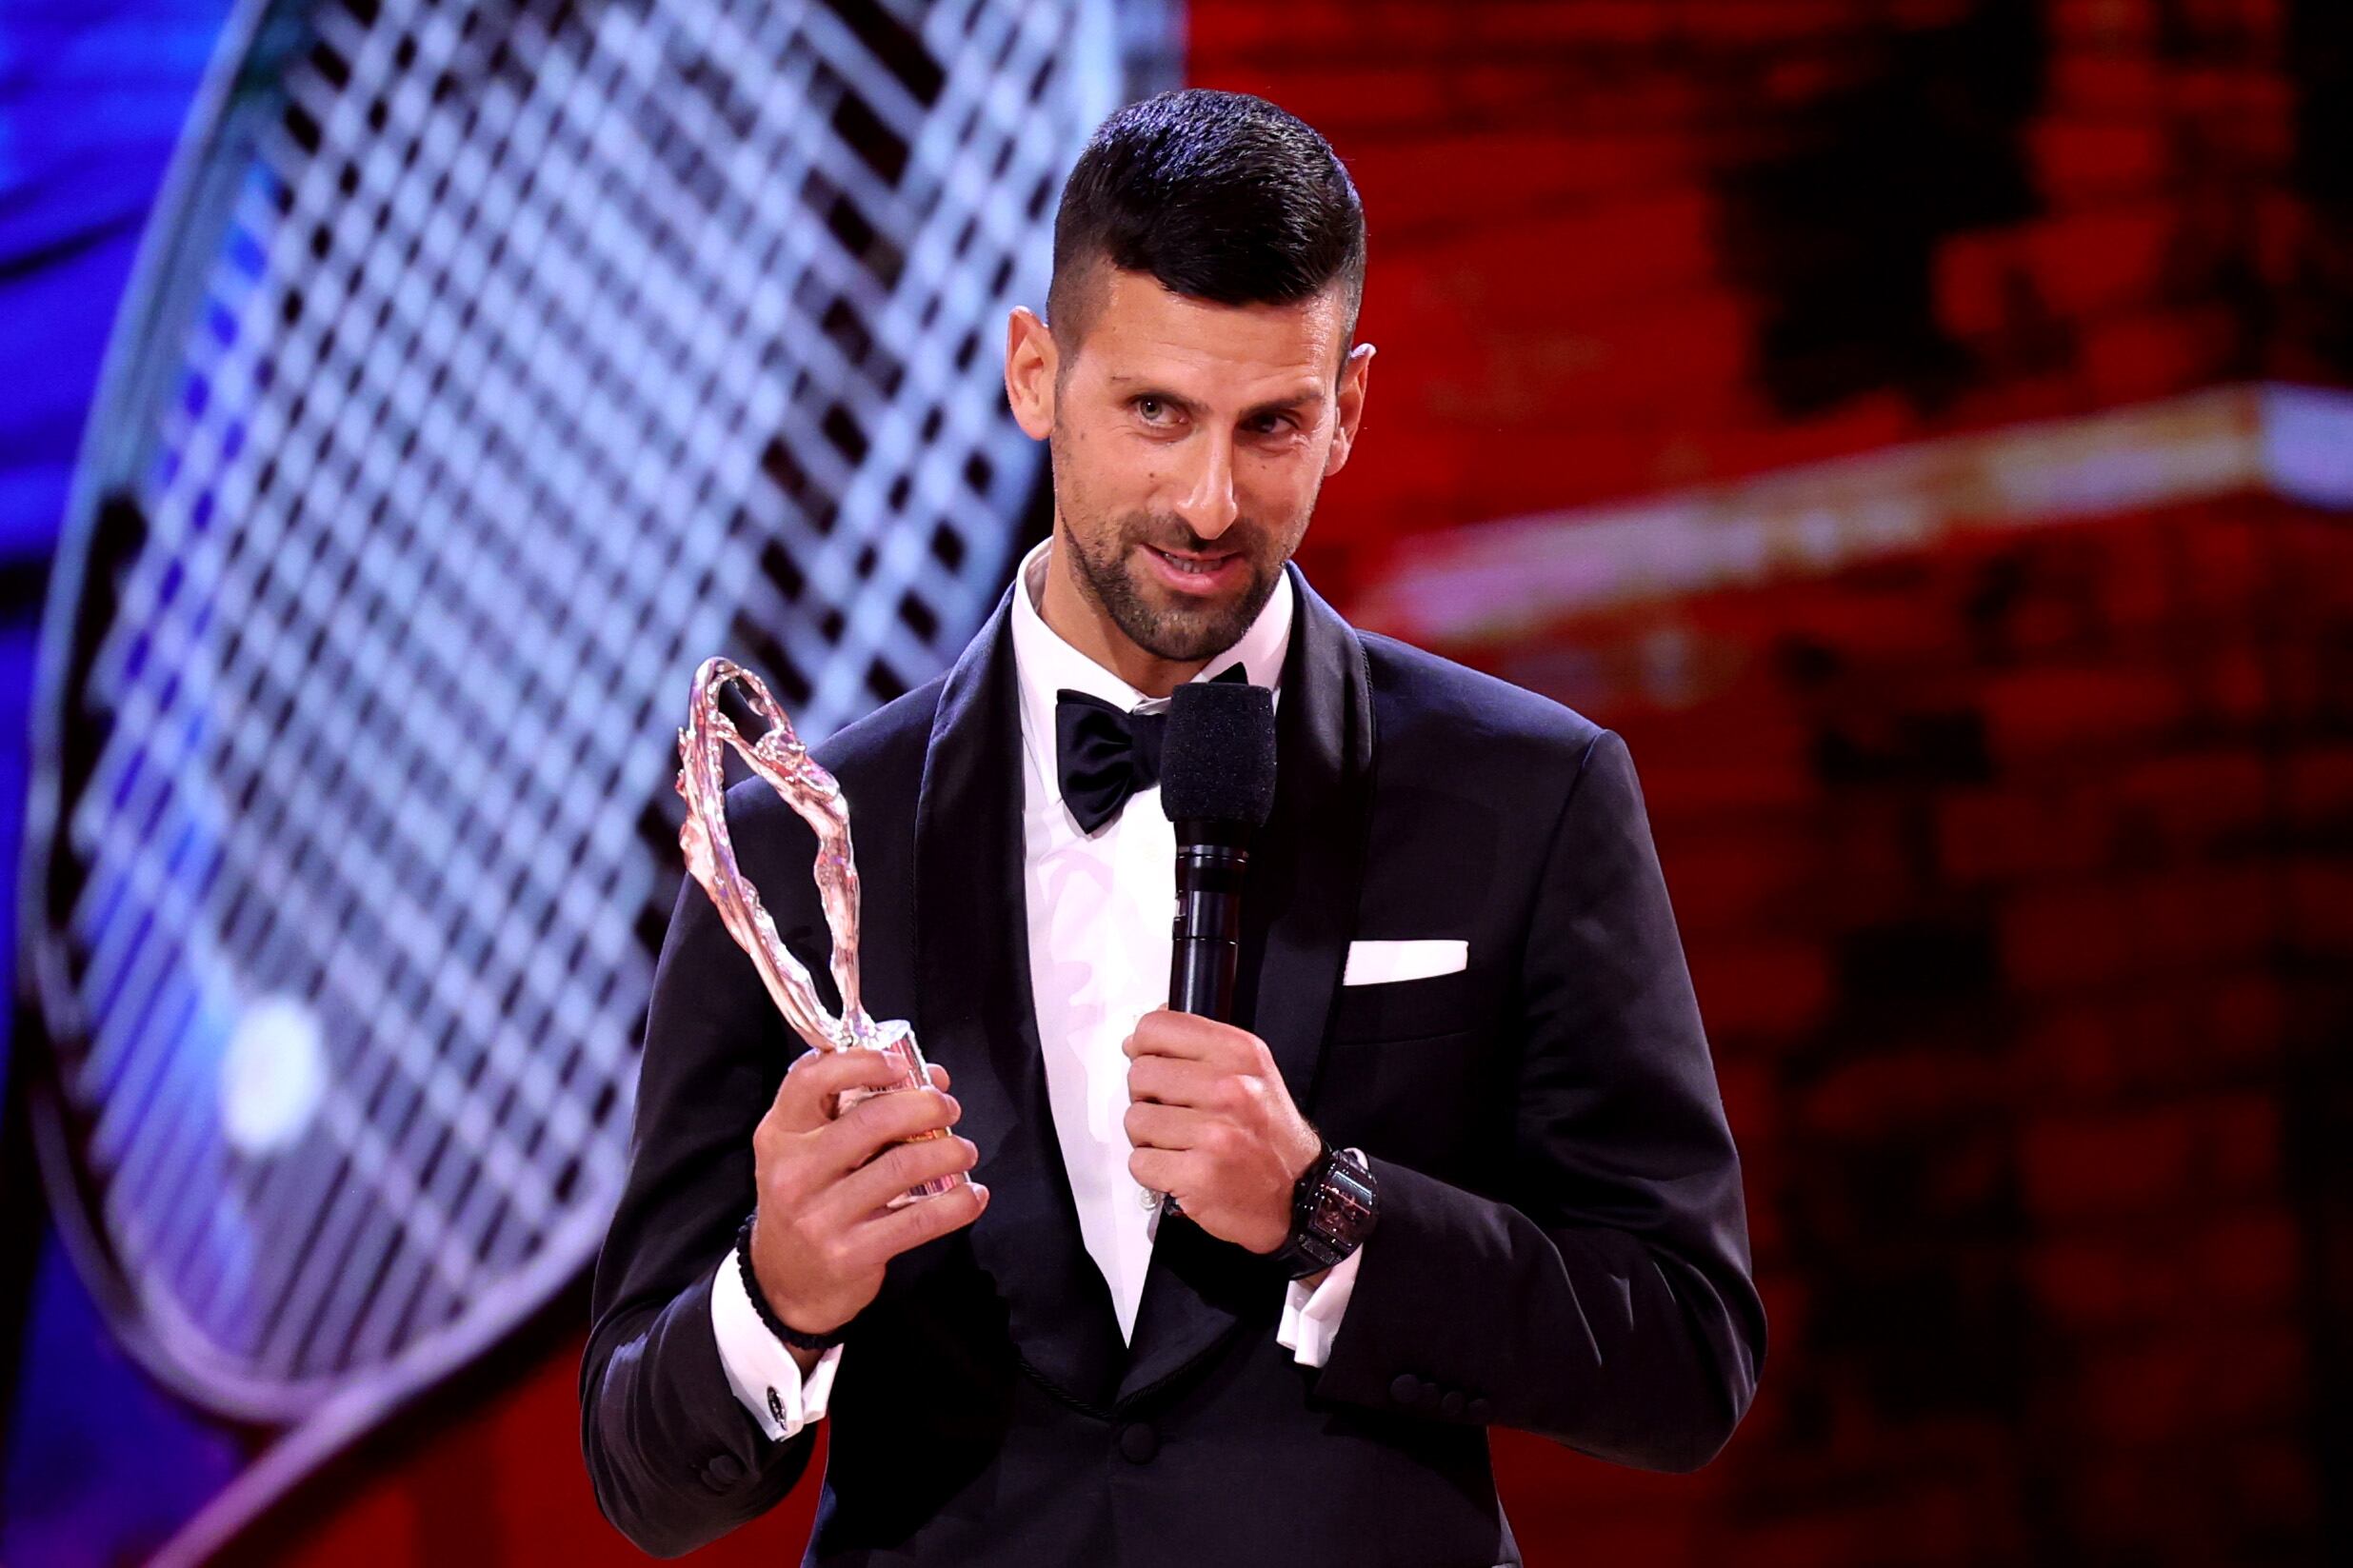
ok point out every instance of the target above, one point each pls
(1459, 1162)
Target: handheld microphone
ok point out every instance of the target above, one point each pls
(1217, 785)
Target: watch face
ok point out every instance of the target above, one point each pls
(1342, 1206)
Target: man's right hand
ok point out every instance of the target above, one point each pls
(823, 1234)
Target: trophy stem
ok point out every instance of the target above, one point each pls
(896, 1041)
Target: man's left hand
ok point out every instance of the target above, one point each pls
(1213, 1127)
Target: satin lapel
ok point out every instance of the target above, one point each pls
(975, 1016)
(1297, 917)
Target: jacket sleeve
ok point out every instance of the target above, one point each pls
(674, 1457)
(1604, 1300)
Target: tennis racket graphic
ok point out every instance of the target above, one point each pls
(486, 366)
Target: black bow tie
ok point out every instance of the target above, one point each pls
(1105, 754)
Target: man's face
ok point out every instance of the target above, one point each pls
(1189, 442)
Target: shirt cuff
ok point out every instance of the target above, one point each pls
(1310, 1318)
(765, 1378)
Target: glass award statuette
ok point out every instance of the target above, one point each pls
(779, 756)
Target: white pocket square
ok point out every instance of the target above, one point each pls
(1375, 963)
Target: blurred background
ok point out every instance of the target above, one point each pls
(1913, 424)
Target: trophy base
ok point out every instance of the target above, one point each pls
(896, 1040)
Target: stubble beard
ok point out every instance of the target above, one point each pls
(1147, 615)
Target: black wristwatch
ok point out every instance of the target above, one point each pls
(1334, 1204)
(760, 1303)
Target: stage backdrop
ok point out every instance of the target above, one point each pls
(1912, 426)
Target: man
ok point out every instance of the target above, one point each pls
(1460, 1160)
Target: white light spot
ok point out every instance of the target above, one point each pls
(272, 1075)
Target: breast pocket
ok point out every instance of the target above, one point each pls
(1403, 1009)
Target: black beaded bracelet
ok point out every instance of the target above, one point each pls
(760, 1303)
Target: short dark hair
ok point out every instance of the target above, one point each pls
(1220, 196)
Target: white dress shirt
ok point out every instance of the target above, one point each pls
(1098, 951)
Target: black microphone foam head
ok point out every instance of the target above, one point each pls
(1217, 759)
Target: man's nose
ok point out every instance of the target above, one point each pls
(1208, 506)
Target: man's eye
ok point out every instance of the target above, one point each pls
(1147, 405)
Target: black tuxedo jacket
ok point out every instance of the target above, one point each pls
(1561, 1244)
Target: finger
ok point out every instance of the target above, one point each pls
(1157, 1126)
(1163, 1032)
(901, 1168)
(911, 1224)
(939, 1075)
(872, 1125)
(1175, 1081)
(1165, 1170)
(807, 1098)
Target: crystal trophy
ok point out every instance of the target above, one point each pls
(778, 757)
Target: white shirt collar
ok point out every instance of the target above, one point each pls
(1046, 664)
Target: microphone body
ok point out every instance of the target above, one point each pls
(1217, 785)
(1212, 861)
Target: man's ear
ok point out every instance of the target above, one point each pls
(1030, 357)
(1355, 375)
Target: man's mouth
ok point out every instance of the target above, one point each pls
(1187, 572)
(1190, 562)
